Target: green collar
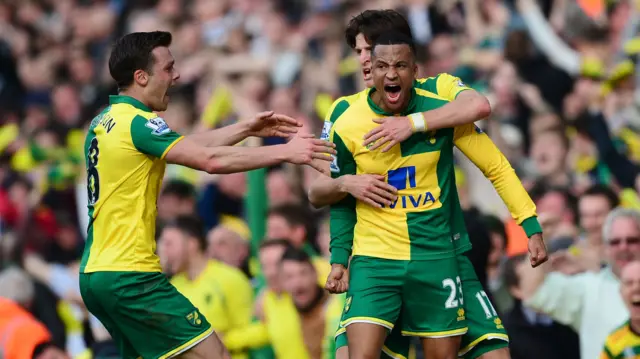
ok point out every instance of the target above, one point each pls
(378, 111)
(115, 99)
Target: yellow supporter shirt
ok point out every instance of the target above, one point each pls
(223, 294)
(124, 155)
(623, 343)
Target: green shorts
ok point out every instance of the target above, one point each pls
(381, 291)
(486, 332)
(144, 313)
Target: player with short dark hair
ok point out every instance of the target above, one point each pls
(126, 151)
(485, 338)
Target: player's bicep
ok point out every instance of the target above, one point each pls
(153, 137)
(189, 153)
(449, 86)
(479, 148)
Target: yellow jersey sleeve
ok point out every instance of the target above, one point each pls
(479, 148)
(153, 136)
(254, 335)
(443, 85)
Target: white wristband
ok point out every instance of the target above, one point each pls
(419, 124)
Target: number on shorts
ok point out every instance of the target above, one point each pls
(488, 308)
(93, 179)
(452, 301)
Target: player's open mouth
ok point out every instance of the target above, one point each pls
(393, 93)
(366, 73)
(635, 301)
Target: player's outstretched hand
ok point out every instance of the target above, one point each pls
(371, 189)
(537, 250)
(304, 149)
(392, 130)
(270, 124)
(338, 279)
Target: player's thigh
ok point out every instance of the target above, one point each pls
(432, 300)
(210, 348)
(440, 348)
(88, 288)
(374, 294)
(342, 344)
(158, 321)
(396, 346)
(486, 332)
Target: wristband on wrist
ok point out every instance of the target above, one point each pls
(418, 122)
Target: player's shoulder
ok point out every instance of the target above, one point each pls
(617, 335)
(342, 104)
(429, 100)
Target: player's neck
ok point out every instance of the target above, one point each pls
(134, 93)
(197, 264)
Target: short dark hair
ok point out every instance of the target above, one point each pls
(180, 189)
(276, 242)
(190, 226)
(393, 38)
(132, 52)
(511, 279)
(296, 255)
(604, 191)
(373, 23)
(294, 214)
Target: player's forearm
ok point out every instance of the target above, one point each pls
(325, 191)
(342, 222)
(225, 136)
(468, 107)
(239, 159)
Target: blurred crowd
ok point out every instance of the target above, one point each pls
(559, 74)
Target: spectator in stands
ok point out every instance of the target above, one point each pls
(624, 342)
(178, 198)
(549, 152)
(269, 255)
(20, 333)
(294, 223)
(222, 293)
(309, 330)
(532, 334)
(228, 246)
(590, 303)
(593, 207)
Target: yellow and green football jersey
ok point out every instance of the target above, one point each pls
(623, 343)
(475, 144)
(124, 153)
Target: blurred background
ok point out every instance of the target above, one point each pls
(559, 74)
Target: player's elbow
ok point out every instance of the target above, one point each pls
(481, 106)
(314, 198)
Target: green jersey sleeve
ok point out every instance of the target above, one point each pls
(153, 137)
(342, 214)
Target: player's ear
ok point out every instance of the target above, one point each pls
(415, 71)
(141, 77)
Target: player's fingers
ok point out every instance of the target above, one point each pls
(384, 195)
(370, 138)
(264, 114)
(322, 156)
(316, 166)
(324, 149)
(379, 143)
(386, 187)
(390, 145)
(376, 197)
(370, 202)
(380, 120)
(306, 135)
(323, 143)
(287, 120)
(287, 128)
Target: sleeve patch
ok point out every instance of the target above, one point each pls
(478, 129)
(461, 84)
(158, 126)
(326, 130)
